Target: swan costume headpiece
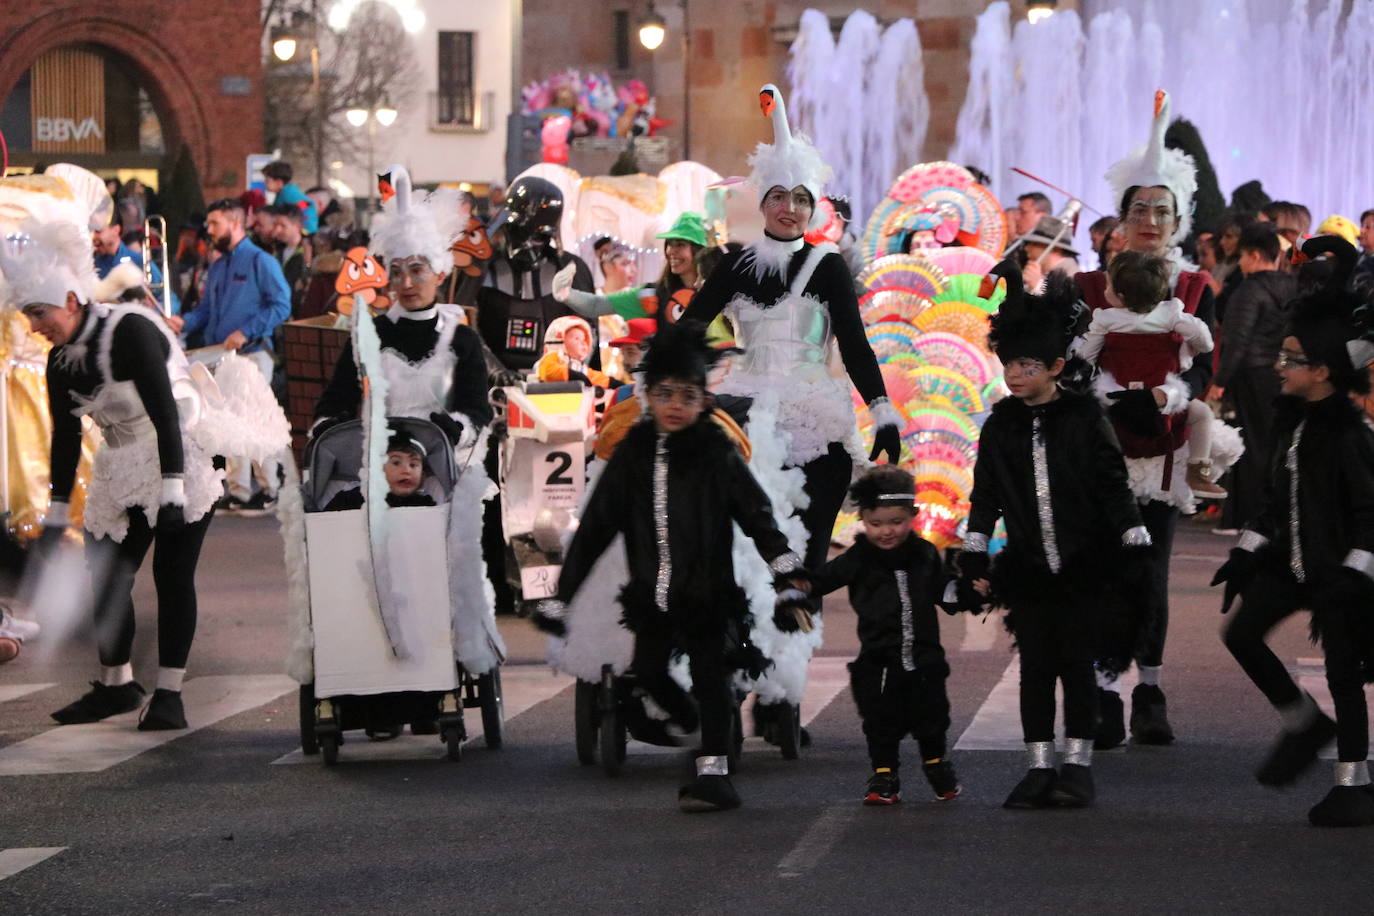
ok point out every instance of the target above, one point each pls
(791, 160)
(1155, 165)
(426, 228)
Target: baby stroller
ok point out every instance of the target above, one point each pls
(375, 670)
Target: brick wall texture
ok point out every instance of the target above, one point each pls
(183, 51)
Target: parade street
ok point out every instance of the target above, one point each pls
(230, 816)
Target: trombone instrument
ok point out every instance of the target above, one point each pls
(156, 227)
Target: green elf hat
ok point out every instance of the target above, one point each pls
(690, 227)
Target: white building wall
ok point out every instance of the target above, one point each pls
(447, 154)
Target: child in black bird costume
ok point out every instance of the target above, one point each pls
(1049, 464)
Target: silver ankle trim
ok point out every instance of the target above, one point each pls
(1078, 751)
(1352, 774)
(1041, 754)
(713, 766)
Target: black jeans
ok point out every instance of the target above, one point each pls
(654, 647)
(1160, 519)
(113, 567)
(894, 703)
(1253, 392)
(1271, 597)
(1053, 648)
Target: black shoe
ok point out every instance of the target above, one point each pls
(1074, 788)
(164, 712)
(1344, 806)
(884, 788)
(101, 702)
(1034, 789)
(943, 780)
(1295, 752)
(1111, 727)
(1150, 716)
(708, 793)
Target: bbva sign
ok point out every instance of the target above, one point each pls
(59, 130)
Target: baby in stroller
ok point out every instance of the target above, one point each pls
(406, 479)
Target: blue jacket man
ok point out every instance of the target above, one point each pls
(246, 295)
(106, 261)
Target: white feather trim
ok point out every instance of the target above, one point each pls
(44, 261)
(1146, 479)
(409, 228)
(1227, 446)
(1177, 394)
(240, 415)
(300, 649)
(884, 414)
(122, 277)
(766, 255)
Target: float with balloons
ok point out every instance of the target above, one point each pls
(571, 105)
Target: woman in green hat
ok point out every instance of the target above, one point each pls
(668, 297)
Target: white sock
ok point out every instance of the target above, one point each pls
(170, 678)
(116, 675)
(1107, 682)
(1149, 674)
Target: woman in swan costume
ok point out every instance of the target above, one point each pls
(421, 360)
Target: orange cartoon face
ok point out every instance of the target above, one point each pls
(677, 304)
(360, 271)
(471, 249)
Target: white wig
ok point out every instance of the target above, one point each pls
(41, 262)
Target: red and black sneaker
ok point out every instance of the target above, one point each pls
(943, 780)
(884, 788)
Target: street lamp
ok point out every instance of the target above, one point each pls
(1039, 10)
(358, 116)
(652, 30)
(284, 48)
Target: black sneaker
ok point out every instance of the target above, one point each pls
(1295, 752)
(943, 780)
(1344, 806)
(708, 793)
(1033, 791)
(1111, 726)
(164, 712)
(1074, 788)
(1150, 716)
(884, 788)
(101, 702)
(259, 505)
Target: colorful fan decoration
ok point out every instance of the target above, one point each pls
(939, 382)
(959, 318)
(889, 338)
(982, 224)
(961, 260)
(942, 442)
(940, 348)
(964, 288)
(904, 271)
(892, 305)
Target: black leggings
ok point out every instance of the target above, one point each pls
(1160, 519)
(1055, 647)
(654, 647)
(894, 703)
(113, 567)
(1271, 597)
(827, 481)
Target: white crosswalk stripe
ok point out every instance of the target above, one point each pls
(997, 724)
(15, 691)
(1311, 676)
(522, 688)
(13, 861)
(101, 745)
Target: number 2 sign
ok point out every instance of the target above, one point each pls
(559, 474)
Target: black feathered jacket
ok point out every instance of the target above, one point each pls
(1335, 486)
(709, 489)
(1091, 503)
(893, 593)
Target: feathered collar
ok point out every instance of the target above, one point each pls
(73, 352)
(398, 313)
(770, 255)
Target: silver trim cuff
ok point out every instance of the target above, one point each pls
(713, 766)
(551, 608)
(1078, 751)
(1041, 754)
(1139, 536)
(1362, 561)
(785, 563)
(1352, 774)
(1251, 541)
(975, 542)
(883, 413)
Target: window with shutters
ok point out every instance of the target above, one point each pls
(456, 99)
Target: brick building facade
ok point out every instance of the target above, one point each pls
(737, 46)
(198, 61)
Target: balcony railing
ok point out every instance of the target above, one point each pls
(461, 113)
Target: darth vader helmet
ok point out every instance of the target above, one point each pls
(531, 214)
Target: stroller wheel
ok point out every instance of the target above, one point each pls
(612, 726)
(453, 737)
(493, 708)
(310, 745)
(329, 746)
(736, 739)
(585, 719)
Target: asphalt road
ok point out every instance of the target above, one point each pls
(228, 818)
